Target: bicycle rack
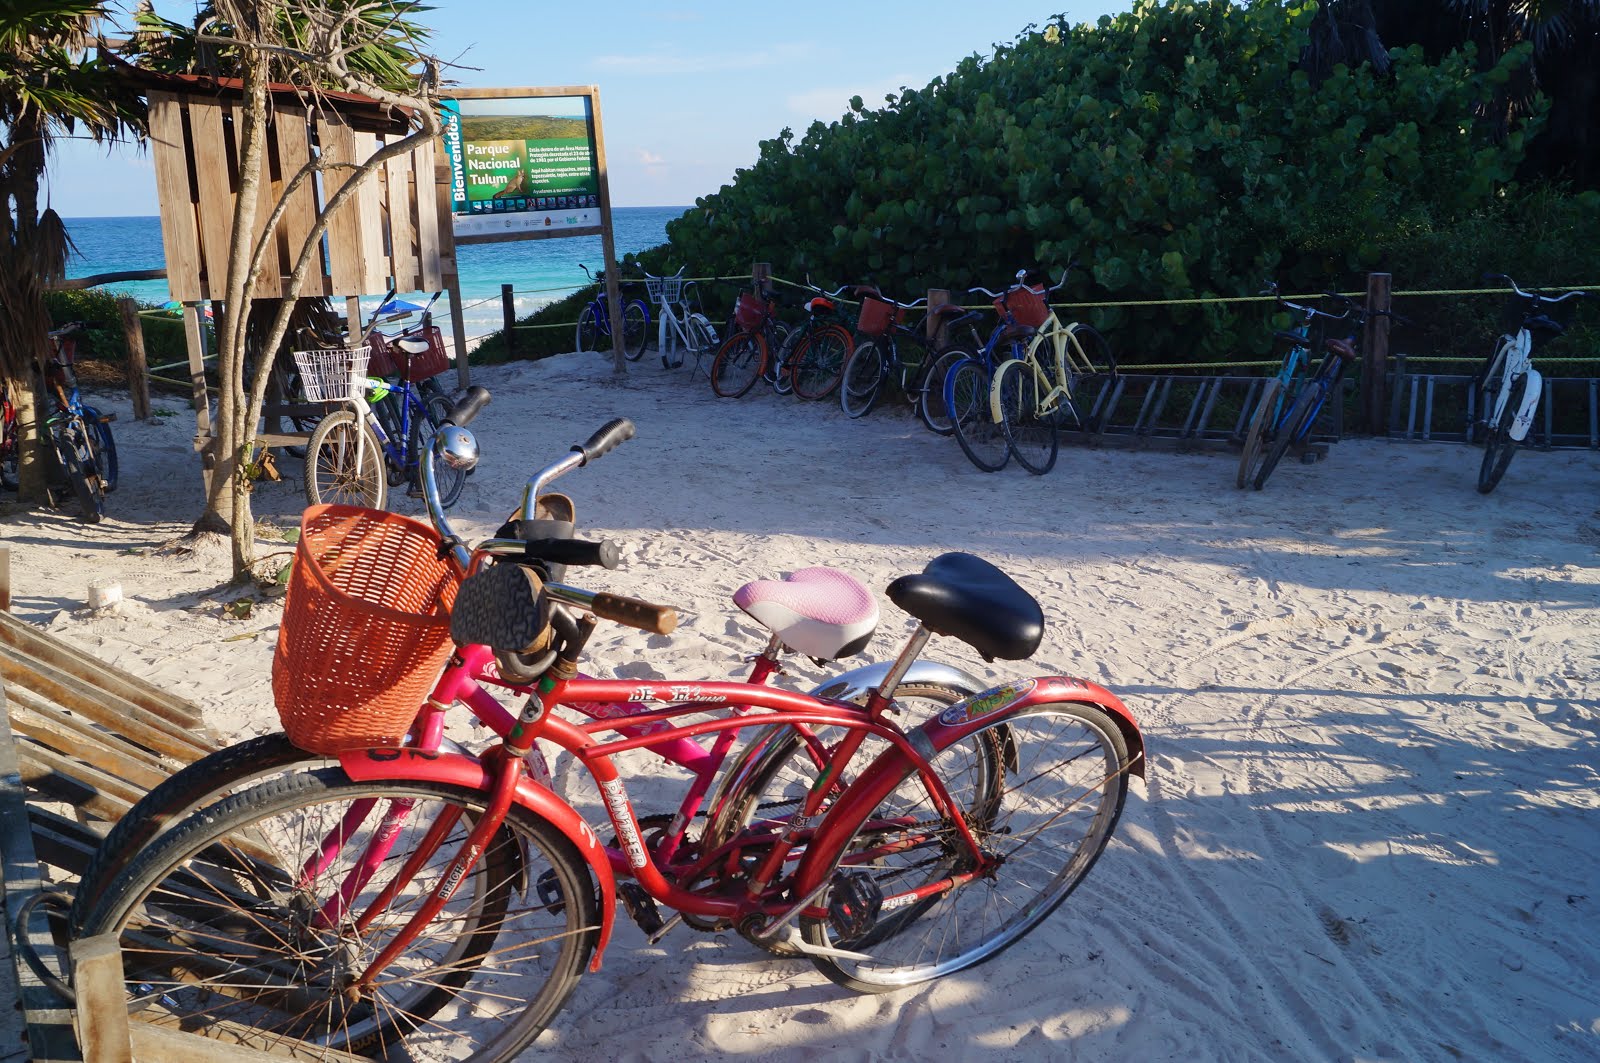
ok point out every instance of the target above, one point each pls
(1438, 407)
(1185, 412)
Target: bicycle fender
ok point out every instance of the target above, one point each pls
(858, 682)
(365, 765)
(1530, 404)
(939, 733)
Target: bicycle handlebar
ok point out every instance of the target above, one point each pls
(820, 291)
(462, 413)
(662, 277)
(1533, 296)
(1060, 284)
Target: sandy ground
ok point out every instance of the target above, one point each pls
(1369, 696)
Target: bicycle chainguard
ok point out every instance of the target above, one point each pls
(854, 901)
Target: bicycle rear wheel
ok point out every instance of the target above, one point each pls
(588, 337)
(105, 448)
(1029, 427)
(1040, 830)
(862, 380)
(739, 364)
(449, 479)
(966, 396)
(224, 932)
(1498, 446)
(930, 390)
(1258, 427)
(75, 453)
(336, 473)
(818, 361)
(1295, 426)
(635, 329)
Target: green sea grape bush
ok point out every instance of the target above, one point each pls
(1175, 151)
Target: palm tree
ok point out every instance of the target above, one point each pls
(50, 87)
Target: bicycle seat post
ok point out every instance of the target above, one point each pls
(909, 653)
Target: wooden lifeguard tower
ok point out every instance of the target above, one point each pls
(395, 232)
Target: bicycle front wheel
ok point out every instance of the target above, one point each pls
(345, 463)
(1498, 446)
(932, 905)
(75, 451)
(588, 337)
(449, 479)
(1030, 427)
(862, 380)
(930, 390)
(1257, 430)
(818, 361)
(1295, 426)
(739, 363)
(966, 396)
(105, 448)
(237, 915)
(635, 329)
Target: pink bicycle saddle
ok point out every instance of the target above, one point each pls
(820, 612)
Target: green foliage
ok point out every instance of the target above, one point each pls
(1174, 150)
(103, 338)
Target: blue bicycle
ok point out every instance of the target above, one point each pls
(1280, 389)
(594, 323)
(967, 386)
(79, 436)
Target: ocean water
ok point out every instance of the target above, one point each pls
(540, 271)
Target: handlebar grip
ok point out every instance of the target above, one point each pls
(603, 554)
(657, 619)
(463, 412)
(602, 442)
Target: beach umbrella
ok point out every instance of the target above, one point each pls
(397, 306)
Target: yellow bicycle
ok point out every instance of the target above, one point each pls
(1031, 396)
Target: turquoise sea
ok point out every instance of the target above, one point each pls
(540, 271)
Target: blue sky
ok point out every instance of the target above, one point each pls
(687, 89)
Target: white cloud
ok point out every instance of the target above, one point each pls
(649, 158)
(664, 63)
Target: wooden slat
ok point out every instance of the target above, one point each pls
(70, 736)
(369, 222)
(338, 144)
(269, 278)
(401, 198)
(50, 772)
(434, 241)
(294, 151)
(162, 1044)
(64, 843)
(179, 234)
(216, 195)
(102, 1010)
(24, 638)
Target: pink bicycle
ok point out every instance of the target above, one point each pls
(418, 900)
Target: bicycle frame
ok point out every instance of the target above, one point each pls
(1054, 391)
(1515, 356)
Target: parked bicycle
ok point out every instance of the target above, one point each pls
(1292, 428)
(418, 900)
(1033, 395)
(755, 335)
(683, 329)
(1280, 389)
(815, 352)
(1506, 394)
(355, 454)
(969, 384)
(78, 442)
(594, 321)
(890, 354)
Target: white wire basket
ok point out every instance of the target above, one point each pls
(333, 374)
(664, 289)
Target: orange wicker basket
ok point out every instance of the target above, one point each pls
(366, 629)
(751, 311)
(1026, 306)
(877, 315)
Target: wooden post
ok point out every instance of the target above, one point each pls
(608, 245)
(138, 368)
(937, 297)
(508, 313)
(1375, 349)
(5, 579)
(353, 332)
(761, 277)
(194, 337)
(100, 1014)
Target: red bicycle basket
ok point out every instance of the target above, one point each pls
(387, 359)
(366, 629)
(381, 358)
(877, 316)
(1025, 305)
(751, 311)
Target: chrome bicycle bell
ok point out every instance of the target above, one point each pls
(457, 447)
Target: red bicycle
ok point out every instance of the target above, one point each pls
(416, 900)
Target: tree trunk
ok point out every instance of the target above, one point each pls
(32, 467)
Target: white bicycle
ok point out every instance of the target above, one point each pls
(683, 329)
(1509, 387)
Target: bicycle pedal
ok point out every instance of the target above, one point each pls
(854, 901)
(548, 887)
(641, 907)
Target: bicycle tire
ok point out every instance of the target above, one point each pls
(200, 887)
(702, 338)
(818, 362)
(1498, 446)
(1031, 431)
(105, 448)
(861, 381)
(1058, 758)
(75, 452)
(1294, 425)
(1251, 448)
(446, 477)
(589, 331)
(1093, 348)
(966, 396)
(739, 363)
(930, 390)
(331, 474)
(635, 329)
(1484, 385)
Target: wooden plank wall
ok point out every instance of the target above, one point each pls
(388, 232)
